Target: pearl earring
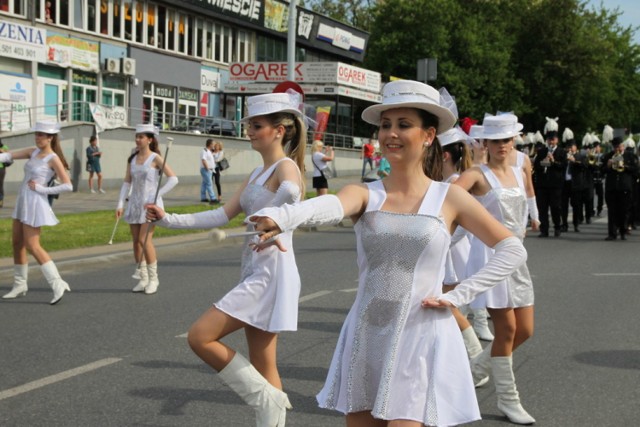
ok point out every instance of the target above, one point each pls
(427, 144)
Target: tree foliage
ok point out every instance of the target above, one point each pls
(536, 57)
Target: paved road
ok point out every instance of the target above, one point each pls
(107, 357)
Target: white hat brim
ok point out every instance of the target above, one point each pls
(446, 119)
(502, 135)
(286, 110)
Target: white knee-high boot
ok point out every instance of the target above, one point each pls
(471, 342)
(269, 403)
(20, 273)
(152, 287)
(143, 275)
(50, 272)
(508, 398)
(481, 366)
(481, 325)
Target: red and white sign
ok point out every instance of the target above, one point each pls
(307, 72)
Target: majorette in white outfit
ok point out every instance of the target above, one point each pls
(508, 204)
(140, 187)
(398, 356)
(32, 207)
(265, 302)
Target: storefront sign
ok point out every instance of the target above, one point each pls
(108, 117)
(73, 52)
(307, 72)
(22, 42)
(251, 10)
(188, 94)
(209, 81)
(340, 38)
(15, 102)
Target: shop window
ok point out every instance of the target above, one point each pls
(128, 20)
(182, 33)
(151, 24)
(138, 15)
(104, 17)
(199, 38)
(162, 35)
(171, 33)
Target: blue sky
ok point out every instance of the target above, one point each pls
(630, 12)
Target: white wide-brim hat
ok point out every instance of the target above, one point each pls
(47, 127)
(501, 127)
(454, 135)
(269, 103)
(148, 128)
(410, 94)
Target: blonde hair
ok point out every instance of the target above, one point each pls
(295, 138)
(316, 145)
(218, 144)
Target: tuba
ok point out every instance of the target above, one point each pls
(591, 158)
(617, 163)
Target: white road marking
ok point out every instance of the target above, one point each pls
(313, 296)
(57, 377)
(349, 290)
(616, 274)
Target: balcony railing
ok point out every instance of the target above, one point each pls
(21, 119)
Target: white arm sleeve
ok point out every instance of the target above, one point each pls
(288, 192)
(207, 219)
(124, 192)
(172, 181)
(533, 209)
(508, 256)
(57, 189)
(322, 210)
(6, 157)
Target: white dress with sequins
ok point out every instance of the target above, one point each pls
(269, 288)
(144, 184)
(395, 358)
(32, 208)
(509, 206)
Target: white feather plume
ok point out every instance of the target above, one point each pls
(607, 134)
(551, 125)
(586, 140)
(518, 140)
(538, 137)
(629, 142)
(594, 137)
(567, 135)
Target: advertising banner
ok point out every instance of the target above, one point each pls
(322, 119)
(22, 41)
(73, 53)
(108, 117)
(15, 102)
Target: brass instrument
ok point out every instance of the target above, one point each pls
(591, 158)
(617, 163)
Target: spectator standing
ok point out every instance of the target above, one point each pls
(320, 157)
(368, 151)
(207, 166)
(3, 171)
(218, 155)
(93, 164)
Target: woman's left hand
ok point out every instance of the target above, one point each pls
(434, 302)
(32, 185)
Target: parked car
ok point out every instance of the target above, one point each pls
(219, 126)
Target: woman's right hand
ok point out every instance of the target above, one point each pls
(154, 212)
(119, 213)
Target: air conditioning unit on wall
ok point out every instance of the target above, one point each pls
(112, 65)
(128, 66)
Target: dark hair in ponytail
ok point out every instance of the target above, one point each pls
(432, 158)
(460, 155)
(153, 146)
(55, 146)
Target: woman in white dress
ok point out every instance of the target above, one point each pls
(32, 209)
(500, 187)
(140, 186)
(265, 302)
(398, 360)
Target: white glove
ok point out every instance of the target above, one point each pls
(124, 192)
(172, 181)
(322, 210)
(207, 219)
(6, 157)
(533, 209)
(508, 256)
(56, 189)
(288, 192)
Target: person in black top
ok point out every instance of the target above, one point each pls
(577, 167)
(596, 171)
(549, 167)
(619, 168)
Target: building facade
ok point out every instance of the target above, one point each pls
(173, 63)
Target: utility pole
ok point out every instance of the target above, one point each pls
(291, 42)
